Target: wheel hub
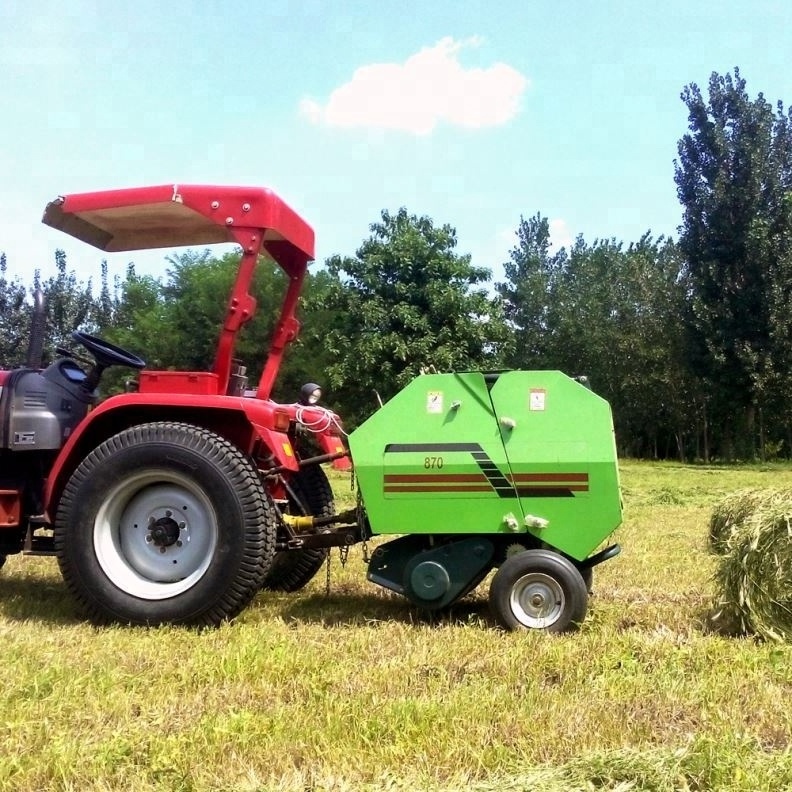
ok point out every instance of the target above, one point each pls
(537, 600)
(164, 532)
(156, 534)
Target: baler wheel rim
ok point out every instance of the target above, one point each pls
(537, 600)
(538, 590)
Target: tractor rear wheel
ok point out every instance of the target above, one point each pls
(164, 523)
(294, 569)
(538, 590)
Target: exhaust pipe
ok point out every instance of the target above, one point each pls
(38, 329)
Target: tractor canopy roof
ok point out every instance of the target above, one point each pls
(174, 215)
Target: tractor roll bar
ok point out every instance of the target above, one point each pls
(173, 215)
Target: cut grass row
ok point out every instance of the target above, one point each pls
(356, 690)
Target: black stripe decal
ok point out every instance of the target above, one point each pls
(545, 492)
(406, 448)
(499, 482)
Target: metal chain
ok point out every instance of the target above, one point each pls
(366, 554)
(343, 552)
(327, 577)
(343, 555)
(360, 518)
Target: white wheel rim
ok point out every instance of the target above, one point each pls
(537, 600)
(155, 534)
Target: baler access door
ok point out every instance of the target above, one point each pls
(558, 437)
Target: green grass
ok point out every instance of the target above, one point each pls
(356, 690)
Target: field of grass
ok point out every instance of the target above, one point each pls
(355, 690)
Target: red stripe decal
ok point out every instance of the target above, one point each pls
(430, 478)
(431, 488)
(570, 487)
(554, 477)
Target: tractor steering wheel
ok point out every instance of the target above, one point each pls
(107, 354)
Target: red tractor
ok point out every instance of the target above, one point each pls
(167, 503)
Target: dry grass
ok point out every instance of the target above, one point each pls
(356, 690)
(754, 574)
(730, 514)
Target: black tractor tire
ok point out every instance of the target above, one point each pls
(292, 570)
(538, 590)
(2, 561)
(164, 523)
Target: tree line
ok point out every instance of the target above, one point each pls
(689, 340)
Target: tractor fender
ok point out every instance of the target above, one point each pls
(246, 423)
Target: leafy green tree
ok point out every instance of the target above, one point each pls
(70, 304)
(733, 177)
(406, 300)
(527, 293)
(588, 310)
(14, 318)
(309, 358)
(645, 328)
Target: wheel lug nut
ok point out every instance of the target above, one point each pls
(168, 513)
(162, 549)
(182, 526)
(149, 538)
(178, 543)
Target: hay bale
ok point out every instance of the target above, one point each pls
(730, 513)
(755, 576)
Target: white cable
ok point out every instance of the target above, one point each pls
(320, 423)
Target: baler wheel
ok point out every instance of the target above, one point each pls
(292, 570)
(538, 590)
(164, 523)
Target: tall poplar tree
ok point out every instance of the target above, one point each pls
(733, 177)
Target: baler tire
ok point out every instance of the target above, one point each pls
(292, 570)
(124, 557)
(538, 590)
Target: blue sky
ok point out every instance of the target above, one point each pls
(473, 113)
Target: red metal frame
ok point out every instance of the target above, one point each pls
(142, 218)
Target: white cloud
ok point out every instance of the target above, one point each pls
(429, 88)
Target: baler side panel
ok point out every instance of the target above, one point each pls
(431, 460)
